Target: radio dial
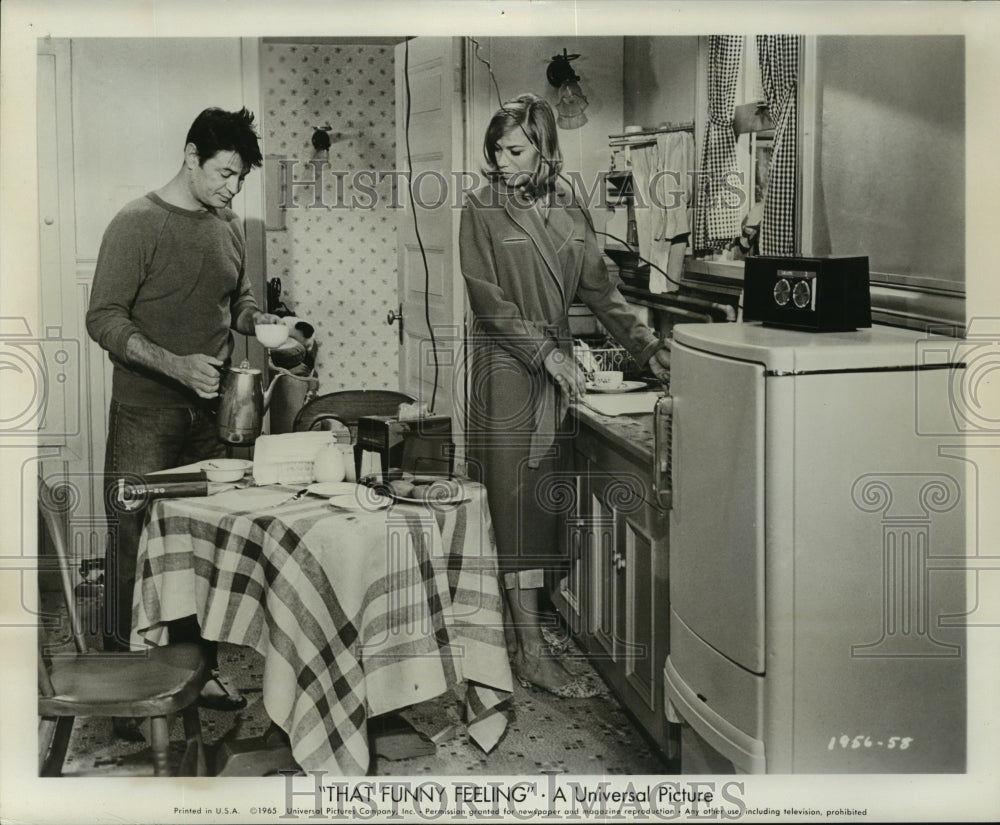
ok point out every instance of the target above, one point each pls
(802, 294)
(782, 292)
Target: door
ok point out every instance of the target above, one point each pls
(430, 143)
(716, 522)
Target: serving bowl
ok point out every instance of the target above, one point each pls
(225, 469)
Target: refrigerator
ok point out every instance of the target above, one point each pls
(817, 549)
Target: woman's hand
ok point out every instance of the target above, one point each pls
(565, 372)
(659, 364)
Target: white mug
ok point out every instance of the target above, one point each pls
(608, 379)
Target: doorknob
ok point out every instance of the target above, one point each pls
(394, 316)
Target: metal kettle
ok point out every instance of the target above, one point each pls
(242, 403)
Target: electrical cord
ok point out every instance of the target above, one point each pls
(416, 226)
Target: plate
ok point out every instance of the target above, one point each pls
(347, 495)
(624, 386)
(375, 481)
(434, 502)
(332, 488)
(364, 501)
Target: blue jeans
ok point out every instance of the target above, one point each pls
(142, 440)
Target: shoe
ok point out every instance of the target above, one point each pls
(127, 728)
(225, 702)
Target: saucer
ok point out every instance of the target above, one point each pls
(624, 386)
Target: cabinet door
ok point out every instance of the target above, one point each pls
(603, 553)
(644, 603)
(571, 593)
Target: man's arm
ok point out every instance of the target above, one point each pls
(198, 372)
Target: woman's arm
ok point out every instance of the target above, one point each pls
(598, 292)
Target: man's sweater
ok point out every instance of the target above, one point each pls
(176, 276)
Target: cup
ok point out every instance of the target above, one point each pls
(608, 379)
(271, 335)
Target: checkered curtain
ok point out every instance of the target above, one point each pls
(717, 211)
(778, 55)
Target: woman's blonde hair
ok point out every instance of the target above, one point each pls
(534, 117)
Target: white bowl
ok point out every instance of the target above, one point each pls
(271, 335)
(226, 469)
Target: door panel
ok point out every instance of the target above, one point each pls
(429, 146)
(717, 519)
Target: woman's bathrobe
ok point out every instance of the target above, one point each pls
(523, 267)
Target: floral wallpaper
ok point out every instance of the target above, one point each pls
(336, 256)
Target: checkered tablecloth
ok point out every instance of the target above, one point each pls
(356, 613)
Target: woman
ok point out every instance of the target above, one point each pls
(528, 251)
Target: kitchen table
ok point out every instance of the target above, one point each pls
(356, 612)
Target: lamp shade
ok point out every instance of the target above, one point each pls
(571, 105)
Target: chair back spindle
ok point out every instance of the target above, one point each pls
(50, 516)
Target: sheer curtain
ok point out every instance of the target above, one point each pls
(778, 56)
(720, 200)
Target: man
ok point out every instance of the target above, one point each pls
(169, 288)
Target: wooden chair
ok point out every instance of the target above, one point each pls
(346, 407)
(151, 684)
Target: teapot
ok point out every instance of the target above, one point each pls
(242, 403)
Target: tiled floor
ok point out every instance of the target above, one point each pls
(545, 735)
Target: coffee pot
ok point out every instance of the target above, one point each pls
(242, 403)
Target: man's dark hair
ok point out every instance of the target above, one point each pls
(216, 130)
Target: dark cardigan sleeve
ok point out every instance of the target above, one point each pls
(500, 317)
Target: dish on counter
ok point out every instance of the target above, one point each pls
(625, 386)
(225, 469)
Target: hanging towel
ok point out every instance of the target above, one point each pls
(644, 164)
(674, 192)
(671, 160)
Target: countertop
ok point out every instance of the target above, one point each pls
(631, 433)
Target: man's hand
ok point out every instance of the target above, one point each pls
(198, 372)
(249, 318)
(659, 364)
(264, 318)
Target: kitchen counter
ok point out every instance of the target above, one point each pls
(630, 433)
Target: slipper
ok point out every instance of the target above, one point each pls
(557, 646)
(576, 689)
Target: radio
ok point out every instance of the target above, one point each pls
(815, 294)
